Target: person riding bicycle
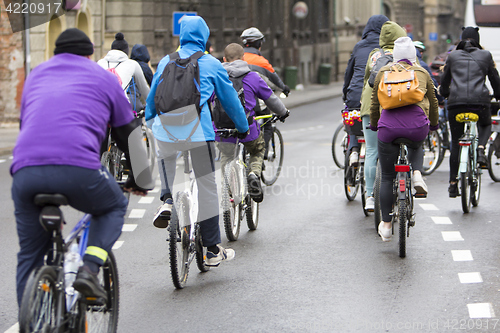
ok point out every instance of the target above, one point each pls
(67, 104)
(411, 122)
(129, 70)
(389, 32)
(254, 87)
(213, 79)
(353, 85)
(140, 54)
(252, 40)
(463, 85)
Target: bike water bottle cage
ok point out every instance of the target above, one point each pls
(466, 116)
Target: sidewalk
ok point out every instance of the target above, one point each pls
(311, 93)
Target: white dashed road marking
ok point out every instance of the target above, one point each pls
(451, 236)
(3, 161)
(129, 227)
(428, 207)
(473, 277)
(462, 255)
(441, 220)
(117, 245)
(137, 213)
(146, 200)
(480, 310)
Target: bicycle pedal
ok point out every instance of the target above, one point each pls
(94, 301)
(420, 195)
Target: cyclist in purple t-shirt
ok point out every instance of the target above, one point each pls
(66, 107)
(254, 87)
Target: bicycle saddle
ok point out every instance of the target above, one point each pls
(466, 116)
(45, 199)
(402, 140)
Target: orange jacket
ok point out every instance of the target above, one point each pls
(257, 60)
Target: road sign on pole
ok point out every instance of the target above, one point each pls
(176, 21)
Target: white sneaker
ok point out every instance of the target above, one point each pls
(370, 204)
(419, 184)
(386, 234)
(214, 260)
(354, 158)
(162, 216)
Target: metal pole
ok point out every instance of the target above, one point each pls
(27, 51)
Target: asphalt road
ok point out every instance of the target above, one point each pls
(315, 263)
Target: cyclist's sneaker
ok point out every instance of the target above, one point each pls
(255, 188)
(370, 204)
(419, 184)
(88, 285)
(214, 260)
(354, 158)
(386, 234)
(453, 190)
(162, 216)
(481, 158)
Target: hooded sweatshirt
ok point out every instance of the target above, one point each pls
(126, 69)
(141, 55)
(213, 79)
(355, 71)
(389, 32)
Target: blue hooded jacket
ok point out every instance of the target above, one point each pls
(213, 79)
(355, 71)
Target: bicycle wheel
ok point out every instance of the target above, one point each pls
(42, 304)
(376, 197)
(104, 318)
(351, 186)
(476, 187)
(252, 214)
(465, 187)
(231, 203)
(363, 190)
(494, 163)
(179, 243)
(433, 153)
(201, 252)
(272, 165)
(339, 146)
(402, 219)
(149, 143)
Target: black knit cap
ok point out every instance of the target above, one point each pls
(470, 32)
(120, 43)
(74, 41)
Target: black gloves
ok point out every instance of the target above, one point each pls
(283, 117)
(286, 90)
(241, 136)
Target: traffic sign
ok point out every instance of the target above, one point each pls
(176, 21)
(433, 36)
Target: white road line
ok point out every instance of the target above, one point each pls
(473, 277)
(451, 236)
(480, 310)
(441, 220)
(117, 245)
(129, 227)
(146, 200)
(428, 207)
(462, 255)
(11, 157)
(13, 329)
(3, 161)
(137, 213)
(155, 190)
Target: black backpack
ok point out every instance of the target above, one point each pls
(382, 60)
(219, 115)
(177, 97)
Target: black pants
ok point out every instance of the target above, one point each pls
(457, 130)
(388, 154)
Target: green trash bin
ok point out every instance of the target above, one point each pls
(324, 73)
(291, 76)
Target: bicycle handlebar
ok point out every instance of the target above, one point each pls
(227, 132)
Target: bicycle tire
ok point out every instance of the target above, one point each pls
(476, 187)
(465, 187)
(363, 192)
(350, 190)
(252, 214)
(494, 164)
(274, 162)
(433, 153)
(339, 146)
(232, 207)
(42, 305)
(402, 219)
(377, 212)
(104, 318)
(179, 243)
(201, 252)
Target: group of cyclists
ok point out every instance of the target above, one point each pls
(69, 107)
(462, 85)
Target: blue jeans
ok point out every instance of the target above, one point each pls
(371, 155)
(89, 191)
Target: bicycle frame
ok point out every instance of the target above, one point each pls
(468, 143)
(192, 193)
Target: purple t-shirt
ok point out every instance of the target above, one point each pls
(408, 122)
(253, 86)
(66, 107)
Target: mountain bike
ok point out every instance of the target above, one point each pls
(469, 172)
(184, 237)
(273, 159)
(494, 149)
(48, 303)
(403, 197)
(236, 201)
(354, 176)
(340, 142)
